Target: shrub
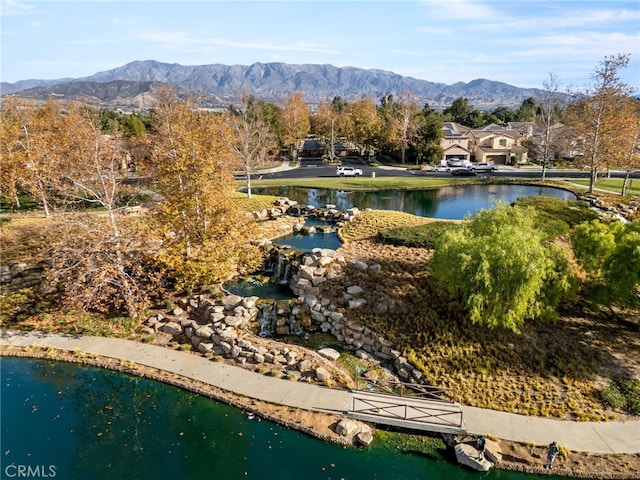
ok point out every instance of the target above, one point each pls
(631, 391)
(612, 397)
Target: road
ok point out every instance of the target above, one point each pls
(313, 167)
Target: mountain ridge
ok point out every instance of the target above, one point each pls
(222, 85)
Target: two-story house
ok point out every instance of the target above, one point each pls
(498, 145)
(455, 142)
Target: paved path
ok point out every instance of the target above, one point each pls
(595, 437)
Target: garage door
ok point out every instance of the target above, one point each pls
(497, 159)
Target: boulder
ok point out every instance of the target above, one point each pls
(205, 347)
(365, 437)
(172, 328)
(468, 456)
(356, 303)
(322, 374)
(360, 265)
(231, 301)
(355, 290)
(204, 332)
(329, 353)
(346, 427)
(492, 451)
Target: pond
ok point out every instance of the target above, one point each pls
(452, 202)
(78, 422)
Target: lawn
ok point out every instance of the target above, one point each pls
(610, 185)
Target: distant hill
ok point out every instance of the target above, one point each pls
(135, 84)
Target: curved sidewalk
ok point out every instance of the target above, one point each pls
(594, 437)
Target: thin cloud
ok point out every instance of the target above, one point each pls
(180, 38)
(13, 8)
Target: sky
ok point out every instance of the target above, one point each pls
(519, 42)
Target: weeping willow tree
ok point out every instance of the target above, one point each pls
(501, 268)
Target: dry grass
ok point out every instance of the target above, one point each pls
(550, 369)
(368, 223)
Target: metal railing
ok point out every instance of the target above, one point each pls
(430, 414)
(403, 389)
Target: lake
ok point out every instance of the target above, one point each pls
(78, 422)
(452, 202)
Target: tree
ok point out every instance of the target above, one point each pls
(34, 148)
(527, 111)
(595, 115)
(253, 140)
(500, 268)
(95, 261)
(366, 125)
(630, 144)
(326, 124)
(607, 252)
(403, 117)
(205, 233)
(427, 149)
(295, 123)
(550, 103)
(459, 110)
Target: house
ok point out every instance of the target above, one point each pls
(455, 142)
(497, 144)
(526, 129)
(492, 144)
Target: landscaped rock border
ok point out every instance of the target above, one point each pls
(226, 327)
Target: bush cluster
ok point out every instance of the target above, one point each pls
(624, 395)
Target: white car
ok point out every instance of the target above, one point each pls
(348, 172)
(484, 167)
(440, 169)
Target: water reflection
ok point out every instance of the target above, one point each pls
(452, 202)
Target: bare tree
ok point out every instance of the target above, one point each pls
(98, 260)
(253, 141)
(631, 141)
(549, 103)
(595, 114)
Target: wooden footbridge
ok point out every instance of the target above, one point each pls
(423, 409)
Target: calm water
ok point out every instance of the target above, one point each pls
(452, 202)
(307, 242)
(87, 423)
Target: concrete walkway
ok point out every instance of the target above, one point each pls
(594, 437)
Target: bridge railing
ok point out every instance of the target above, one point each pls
(386, 409)
(430, 392)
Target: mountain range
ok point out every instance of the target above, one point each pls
(135, 85)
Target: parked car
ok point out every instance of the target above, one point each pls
(454, 162)
(463, 172)
(348, 172)
(484, 167)
(440, 169)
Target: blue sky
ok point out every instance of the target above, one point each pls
(517, 42)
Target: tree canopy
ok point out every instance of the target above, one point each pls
(610, 256)
(500, 268)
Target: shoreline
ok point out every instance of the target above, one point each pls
(315, 424)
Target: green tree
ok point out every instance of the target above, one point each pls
(459, 110)
(427, 148)
(133, 126)
(609, 253)
(501, 269)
